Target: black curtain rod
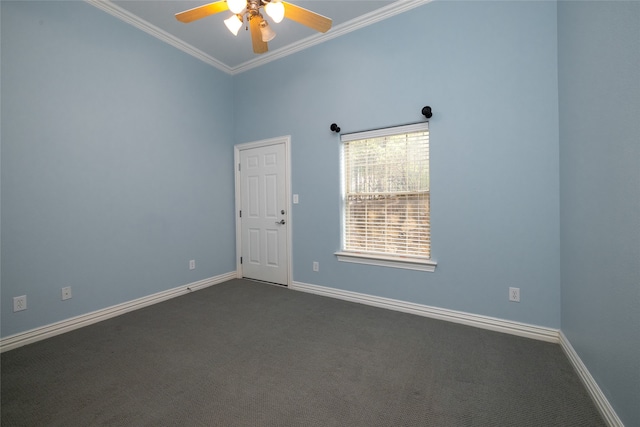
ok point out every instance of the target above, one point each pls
(426, 111)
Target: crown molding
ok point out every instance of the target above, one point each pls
(141, 24)
(378, 15)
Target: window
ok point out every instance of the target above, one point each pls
(385, 198)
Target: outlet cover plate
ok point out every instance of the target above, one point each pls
(514, 294)
(20, 303)
(66, 293)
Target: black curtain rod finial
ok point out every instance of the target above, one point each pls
(335, 128)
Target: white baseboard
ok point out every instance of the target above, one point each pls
(37, 334)
(478, 321)
(601, 402)
(485, 322)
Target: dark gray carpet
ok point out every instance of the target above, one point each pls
(250, 354)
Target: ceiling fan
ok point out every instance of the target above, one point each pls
(249, 11)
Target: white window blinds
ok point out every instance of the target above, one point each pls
(386, 192)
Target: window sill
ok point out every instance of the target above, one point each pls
(388, 261)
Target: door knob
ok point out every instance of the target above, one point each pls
(281, 222)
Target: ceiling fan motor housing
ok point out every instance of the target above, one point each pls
(253, 7)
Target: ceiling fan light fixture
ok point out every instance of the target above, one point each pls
(248, 11)
(267, 33)
(236, 6)
(233, 23)
(275, 9)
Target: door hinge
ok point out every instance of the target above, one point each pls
(241, 214)
(240, 260)
(238, 167)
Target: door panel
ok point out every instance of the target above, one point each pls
(272, 248)
(263, 224)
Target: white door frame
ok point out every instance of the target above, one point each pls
(286, 140)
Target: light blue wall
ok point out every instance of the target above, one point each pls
(599, 80)
(116, 163)
(489, 71)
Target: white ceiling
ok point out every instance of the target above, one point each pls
(209, 40)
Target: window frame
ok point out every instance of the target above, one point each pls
(370, 258)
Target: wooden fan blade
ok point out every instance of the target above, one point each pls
(307, 17)
(202, 11)
(256, 36)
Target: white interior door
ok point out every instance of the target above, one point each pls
(264, 213)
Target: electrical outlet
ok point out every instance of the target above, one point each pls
(66, 293)
(316, 266)
(295, 199)
(20, 303)
(192, 264)
(514, 294)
